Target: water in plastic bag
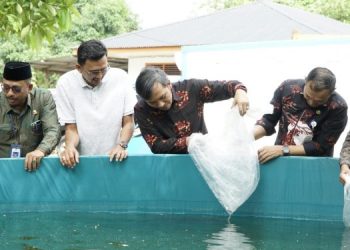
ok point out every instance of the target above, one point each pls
(346, 211)
(227, 160)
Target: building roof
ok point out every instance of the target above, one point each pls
(60, 65)
(252, 22)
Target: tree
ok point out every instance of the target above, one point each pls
(96, 20)
(336, 9)
(212, 5)
(35, 21)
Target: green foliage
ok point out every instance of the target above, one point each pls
(35, 21)
(95, 20)
(13, 49)
(336, 9)
(41, 80)
(222, 4)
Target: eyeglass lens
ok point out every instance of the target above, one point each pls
(15, 89)
(101, 71)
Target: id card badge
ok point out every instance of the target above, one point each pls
(15, 151)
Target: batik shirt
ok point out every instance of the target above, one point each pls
(317, 129)
(345, 151)
(166, 131)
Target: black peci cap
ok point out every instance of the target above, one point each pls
(17, 71)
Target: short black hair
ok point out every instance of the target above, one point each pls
(91, 50)
(148, 77)
(321, 78)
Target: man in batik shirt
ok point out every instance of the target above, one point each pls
(311, 117)
(345, 160)
(168, 114)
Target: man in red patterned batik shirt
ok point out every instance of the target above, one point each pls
(311, 117)
(168, 113)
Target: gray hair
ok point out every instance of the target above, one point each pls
(148, 77)
(321, 78)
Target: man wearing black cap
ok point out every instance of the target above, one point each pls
(28, 119)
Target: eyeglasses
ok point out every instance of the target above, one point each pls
(15, 89)
(97, 72)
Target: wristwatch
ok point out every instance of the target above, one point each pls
(285, 150)
(123, 144)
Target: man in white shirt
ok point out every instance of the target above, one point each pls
(95, 103)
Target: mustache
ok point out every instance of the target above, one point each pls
(11, 98)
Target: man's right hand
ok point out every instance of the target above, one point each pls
(344, 173)
(268, 153)
(69, 157)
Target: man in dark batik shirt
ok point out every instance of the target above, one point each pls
(168, 114)
(344, 160)
(311, 117)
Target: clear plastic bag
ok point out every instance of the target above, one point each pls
(227, 160)
(346, 210)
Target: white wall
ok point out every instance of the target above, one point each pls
(263, 66)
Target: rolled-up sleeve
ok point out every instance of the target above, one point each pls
(65, 108)
(269, 121)
(211, 91)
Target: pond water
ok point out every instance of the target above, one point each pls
(82, 230)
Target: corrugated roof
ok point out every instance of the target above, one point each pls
(256, 21)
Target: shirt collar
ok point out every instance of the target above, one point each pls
(176, 97)
(29, 99)
(84, 84)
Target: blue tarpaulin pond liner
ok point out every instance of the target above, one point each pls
(289, 187)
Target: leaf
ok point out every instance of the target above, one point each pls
(52, 10)
(19, 9)
(64, 20)
(25, 31)
(74, 11)
(68, 21)
(11, 18)
(35, 40)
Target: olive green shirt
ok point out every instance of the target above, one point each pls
(36, 127)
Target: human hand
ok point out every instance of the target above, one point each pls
(69, 157)
(118, 153)
(241, 100)
(33, 159)
(268, 153)
(344, 173)
(188, 138)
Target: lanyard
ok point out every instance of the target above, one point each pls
(295, 126)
